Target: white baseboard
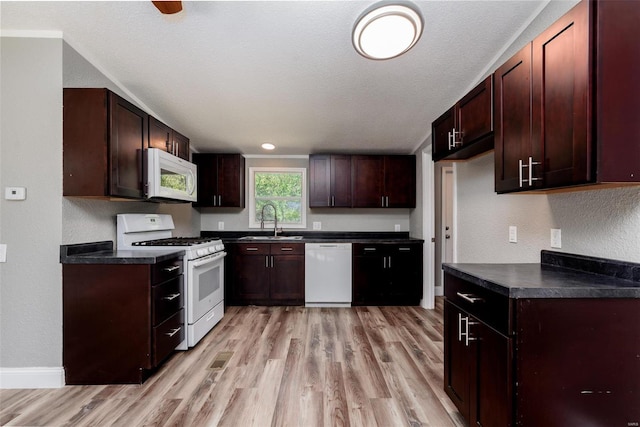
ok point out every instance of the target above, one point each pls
(32, 377)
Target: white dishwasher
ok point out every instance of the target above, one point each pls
(327, 274)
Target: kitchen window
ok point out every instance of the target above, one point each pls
(283, 188)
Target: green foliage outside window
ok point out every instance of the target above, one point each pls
(284, 191)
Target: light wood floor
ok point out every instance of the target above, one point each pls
(368, 366)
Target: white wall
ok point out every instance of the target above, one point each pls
(236, 219)
(603, 223)
(31, 157)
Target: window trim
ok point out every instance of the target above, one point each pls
(252, 200)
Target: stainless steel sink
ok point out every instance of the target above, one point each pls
(271, 238)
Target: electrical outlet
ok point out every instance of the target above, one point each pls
(513, 234)
(556, 238)
(220, 225)
(3, 252)
(317, 225)
(396, 227)
(15, 193)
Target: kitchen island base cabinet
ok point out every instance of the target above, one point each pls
(541, 361)
(120, 321)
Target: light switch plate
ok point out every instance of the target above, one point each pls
(513, 234)
(317, 225)
(15, 193)
(3, 252)
(556, 238)
(396, 227)
(220, 225)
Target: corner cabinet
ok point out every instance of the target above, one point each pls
(104, 137)
(466, 129)
(120, 321)
(265, 274)
(220, 180)
(387, 273)
(329, 181)
(163, 137)
(563, 109)
(383, 181)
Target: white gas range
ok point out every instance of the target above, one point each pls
(203, 267)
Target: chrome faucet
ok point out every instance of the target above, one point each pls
(275, 218)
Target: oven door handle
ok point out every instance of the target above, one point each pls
(209, 259)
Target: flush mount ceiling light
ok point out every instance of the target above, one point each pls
(268, 146)
(387, 31)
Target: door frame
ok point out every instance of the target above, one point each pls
(428, 229)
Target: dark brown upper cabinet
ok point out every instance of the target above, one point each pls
(582, 114)
(466, 129)
(329, 180)
(104, 137)
(383, 181)
(220, 180)
(163, 137)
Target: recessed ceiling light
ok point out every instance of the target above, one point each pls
(387, 31)
(268, 146)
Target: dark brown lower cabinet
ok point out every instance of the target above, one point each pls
(387, 273)
(477, 368)
(120, 321)
(265, 274)
(541, 361)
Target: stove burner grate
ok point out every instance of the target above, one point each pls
(176, 241)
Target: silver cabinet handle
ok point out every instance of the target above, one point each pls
(404, 249)
(468, 297)
(369, 249)
(172, 268)
(459, 326)
(520, 173)
(219, 200)
(384, 262)
(266, 261)
(333, 200)
(531, 178)
(382, 201)
(387, 203)
(468, 336)
(449, 140)
(272, 261)
(171, 297)
(251, 249)
(389, 262)
(173, 332)
(286, 249)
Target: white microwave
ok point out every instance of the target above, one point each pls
(170, 178)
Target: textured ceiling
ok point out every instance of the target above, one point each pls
(232, 74)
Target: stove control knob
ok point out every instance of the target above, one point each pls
(211, 249)
(220, 247)
(201, 252)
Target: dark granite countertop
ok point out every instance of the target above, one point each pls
(103, 253)
(316, 236)
(558, 275)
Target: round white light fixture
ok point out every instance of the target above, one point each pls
(387, 31)
(268, 146)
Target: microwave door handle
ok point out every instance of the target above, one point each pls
(191, 187)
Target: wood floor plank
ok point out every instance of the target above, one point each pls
(289, 366)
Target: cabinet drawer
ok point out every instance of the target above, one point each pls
(165, 270)
(167, 336)
(167, 299)
(487, 306)
(366, 249)
(287, 249)
(253, 248)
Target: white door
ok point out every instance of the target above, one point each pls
(447, 233)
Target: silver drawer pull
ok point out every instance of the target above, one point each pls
(286, 249)
(468, 297)
(171, 297)
(173, 332)
(252, 249)
(404, 249)
(369, 249)
(172, 268)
